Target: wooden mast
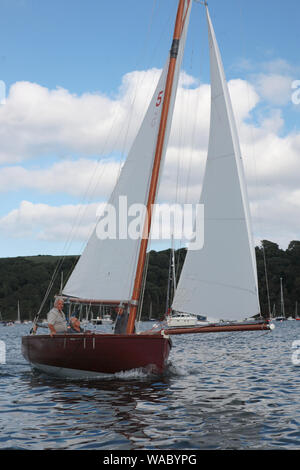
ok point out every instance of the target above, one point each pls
(156, 165)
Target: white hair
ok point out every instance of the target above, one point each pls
(57, 300)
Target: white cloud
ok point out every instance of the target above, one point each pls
(277, 214)
(278, 66)
(81, 178)
(273, 81)
(275, 88)
(43, 222)
(75, 223)
(36, 121)
(244, 98)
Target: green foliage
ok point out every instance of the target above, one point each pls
(157, 282)
(279, 263)
(26, 279)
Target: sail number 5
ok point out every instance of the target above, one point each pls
(156, 113)
(159, 98)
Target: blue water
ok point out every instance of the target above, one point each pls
(220, 391)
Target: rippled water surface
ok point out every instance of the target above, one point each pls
(220, 391)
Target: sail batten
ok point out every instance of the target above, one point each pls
(220, 280)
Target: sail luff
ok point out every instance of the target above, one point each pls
(160, 145)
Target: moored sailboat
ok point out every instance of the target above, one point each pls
(110, 271)
(282, 316)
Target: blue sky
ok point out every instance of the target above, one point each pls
(90, 45)
(86, 49)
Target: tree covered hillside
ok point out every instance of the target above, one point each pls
(26, 279)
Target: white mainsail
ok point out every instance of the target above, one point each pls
(106, 269)
(220, 280)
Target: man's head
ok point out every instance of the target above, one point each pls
(59, 303)
(75, 323)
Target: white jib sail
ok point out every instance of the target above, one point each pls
(220, 280)
(106, 269)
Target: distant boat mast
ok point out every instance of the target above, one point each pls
(281, 299)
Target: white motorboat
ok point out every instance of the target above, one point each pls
(178, 319)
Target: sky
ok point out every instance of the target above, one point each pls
(77, 77)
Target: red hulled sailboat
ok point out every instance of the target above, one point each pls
(110, 271)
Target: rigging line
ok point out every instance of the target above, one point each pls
(156, 48)
(50, 285)
(164, 30)
(142, 55)
(67, 244)
(192, 105)
(134, 257)
(86, 196)
(192, 153)
(191, 144)
(75, 226)
(250, 106)
(179, 107)
(168, 302)
(168, 23)
(182, 109)
(141, 78)
(254, 161)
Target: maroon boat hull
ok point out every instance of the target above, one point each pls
(97, 353)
